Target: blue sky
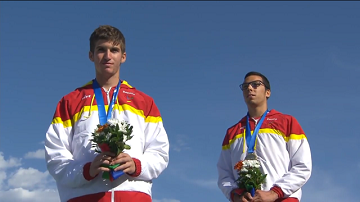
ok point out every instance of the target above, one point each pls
(190, 57)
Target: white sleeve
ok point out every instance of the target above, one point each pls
(59, 159)
(226, 179)
(156, 152)
(300, 161)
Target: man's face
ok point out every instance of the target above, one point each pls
(107, 58)
(254, 91)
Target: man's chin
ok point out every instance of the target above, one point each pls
(106, 74)
(109, 71)
(252, 103)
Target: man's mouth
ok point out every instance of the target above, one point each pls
(107, 64)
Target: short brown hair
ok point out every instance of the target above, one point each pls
(109, 33)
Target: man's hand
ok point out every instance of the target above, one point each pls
(102, 158)
(265, 196)
(127, 164)
(243, 198)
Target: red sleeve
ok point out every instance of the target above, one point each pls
(236, 191)
(278, 190)
(86, 172)
(137, 168)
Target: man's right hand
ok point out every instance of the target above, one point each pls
(102, 158)
(243, 198)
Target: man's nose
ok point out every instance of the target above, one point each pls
(250, 88)
(107, 54)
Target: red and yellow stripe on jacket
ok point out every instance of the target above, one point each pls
(72, 106)
(282, 125)
(283, 151)
(69, 152)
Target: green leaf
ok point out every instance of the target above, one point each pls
(118, 151)
(263, 178)
(248, 187)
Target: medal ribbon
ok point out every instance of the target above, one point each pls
(103, 116)
(251, 138)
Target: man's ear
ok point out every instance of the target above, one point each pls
(267, 93)
(91, 56)
(123, 58)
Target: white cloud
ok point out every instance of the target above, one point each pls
(5, 164)
(28, 178)
(209, 184)
(12, 162)
(2, 178)
(23, 195)
(39, 154)
(29, 184)
(180, 143)
(166, 200)
(25, 184)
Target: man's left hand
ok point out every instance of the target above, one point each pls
(127, 164)
(265, 196)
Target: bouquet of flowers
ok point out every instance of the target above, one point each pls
(250, 176)
(112, 137)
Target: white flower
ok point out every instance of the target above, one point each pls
(113, 122)
(124, 138)
(243, 169)
(256, 164)
(122, 126)
(108, 135)
(246, 163)
(251, 163)
(248, 175)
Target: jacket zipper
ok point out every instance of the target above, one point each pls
(108, 95)
(108, 102)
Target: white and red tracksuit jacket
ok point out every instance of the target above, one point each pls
(281, 147)
(69, 153)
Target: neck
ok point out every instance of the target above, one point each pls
(109, 82)
(257, 111)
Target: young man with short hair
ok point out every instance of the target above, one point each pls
(70, 158)
(280, 145)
